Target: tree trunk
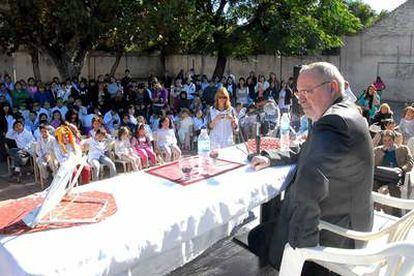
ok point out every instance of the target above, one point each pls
(163, 63)
(69, 63)
(118, 57)
(220, 65)
(34, 54)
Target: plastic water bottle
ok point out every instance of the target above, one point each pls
(285, 132)
(203, 148)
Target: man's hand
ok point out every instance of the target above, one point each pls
(260, 162)
(398, 170)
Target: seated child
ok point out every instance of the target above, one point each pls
(166, 142)
(124, 150)
(185, 129)
(96, 154)
(24, 140)
(143, 146)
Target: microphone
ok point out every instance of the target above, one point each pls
(257, 138)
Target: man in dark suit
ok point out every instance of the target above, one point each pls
(334, 176)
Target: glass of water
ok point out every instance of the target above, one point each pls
(186, 164)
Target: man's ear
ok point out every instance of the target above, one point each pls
(334, 85)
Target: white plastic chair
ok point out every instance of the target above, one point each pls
(390, 259)
(393, 230)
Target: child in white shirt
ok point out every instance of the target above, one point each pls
(24, 140)
(124, 150)
(166, 142)
(96, 155)
(199, 122)
(44, 149)
(185, 129)
(112, 120)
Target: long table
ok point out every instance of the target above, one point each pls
(158, 227)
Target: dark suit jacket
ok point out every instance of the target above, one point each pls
(333, 183)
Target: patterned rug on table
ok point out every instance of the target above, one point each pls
(266, 144)
(13, 211)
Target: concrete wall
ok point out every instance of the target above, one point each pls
(98, 63)
(386, 50)
(261, 64)
(95, 64)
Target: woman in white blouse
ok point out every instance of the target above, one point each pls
(222, 120)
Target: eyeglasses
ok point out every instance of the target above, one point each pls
(305, 92)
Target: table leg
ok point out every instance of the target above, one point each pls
(268, 211)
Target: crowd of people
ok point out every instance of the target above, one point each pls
(143, 122)
(140, 122)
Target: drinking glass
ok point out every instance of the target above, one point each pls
(214, 151)
(186, 164)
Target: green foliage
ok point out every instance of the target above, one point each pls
(363, 12)
(288, 27)
(68, 29)
(64, 29)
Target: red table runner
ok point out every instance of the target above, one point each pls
(172, 172)
(12, 212)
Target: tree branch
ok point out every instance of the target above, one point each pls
(255, 19)
(221, 7)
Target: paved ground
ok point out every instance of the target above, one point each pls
(226, 258)
(10, 189)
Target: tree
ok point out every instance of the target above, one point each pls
(367, 16)
(121, 37)
(164, 27)
(10, 42)
(291, 27)
(65, 30)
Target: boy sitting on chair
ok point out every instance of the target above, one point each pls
(96, 155)
(24, 140)
(44, 148)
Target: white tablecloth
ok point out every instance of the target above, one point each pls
(155, 219)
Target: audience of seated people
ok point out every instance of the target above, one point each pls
(152, 120)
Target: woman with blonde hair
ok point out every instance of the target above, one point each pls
(222, 120)
(66, 148)
(383, 116)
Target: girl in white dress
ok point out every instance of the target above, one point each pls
(165, 140)
(185, 129)
(124, 150)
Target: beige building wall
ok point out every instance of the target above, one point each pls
(386, 50)
(261, 64)
(100, 63)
